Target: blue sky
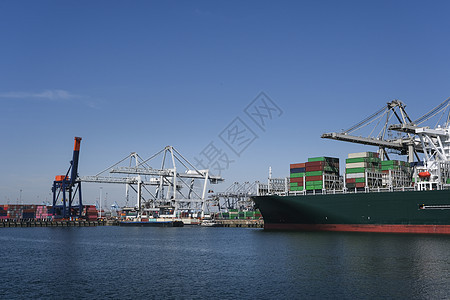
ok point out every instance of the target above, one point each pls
(139, 75)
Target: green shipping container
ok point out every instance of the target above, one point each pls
(324, 158)
(297, 188)
(314, 173)
(314, 187)
(297, 175)
(391, 162)
(362, 159)
(311, 183)
(448, 180)
(293, 184)
(320, 158)
(359, 180)
(389, 167)
(355, 170)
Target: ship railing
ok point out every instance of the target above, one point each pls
(350, 191)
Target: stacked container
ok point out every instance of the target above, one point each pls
(91, 212)
(234, 213)
(387, 165)
(321, 173)
(41, 212)
(297, 172)
(396, 173)
(15, 211)
(28, 212)
(3, 212)
(362, 168)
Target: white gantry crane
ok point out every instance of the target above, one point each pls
(174, 187)
(434, 172)
(413, 137)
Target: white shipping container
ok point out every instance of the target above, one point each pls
(362, 154)
(357, 165)
(359, 154)
(355, 175)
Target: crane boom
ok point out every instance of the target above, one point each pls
(74, 162)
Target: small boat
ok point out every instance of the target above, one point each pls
(425, 174)
(209, 223)
(151, 222)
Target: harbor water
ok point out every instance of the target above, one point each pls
(220, 263)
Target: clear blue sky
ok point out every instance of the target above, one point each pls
(139, 75)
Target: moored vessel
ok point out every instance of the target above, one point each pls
(152, 223)
(376, 194)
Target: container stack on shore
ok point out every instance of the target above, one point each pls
(23, 212)
(363, 169)
(3, 213)
(41, 212)
(90, 212)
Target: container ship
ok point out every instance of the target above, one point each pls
(376, 194)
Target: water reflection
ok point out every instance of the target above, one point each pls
(195, 262)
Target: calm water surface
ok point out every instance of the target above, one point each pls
(220, 263)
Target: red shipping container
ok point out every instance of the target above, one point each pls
(298, 179)
(350, 180)
(314, 168)
(299, 165)
(360, 184)
(313, 178)
(315, 164)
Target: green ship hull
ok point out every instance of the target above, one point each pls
(408, 211)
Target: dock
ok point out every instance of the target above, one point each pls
(241, 223)
(65, 223)
(84, 223)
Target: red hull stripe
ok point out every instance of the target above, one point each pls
(438, 229)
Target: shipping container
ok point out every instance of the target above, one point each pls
(297, 170)
(358, 165)
(298, 188)
(298, 165)
(355, 170)
(362, 154)
(355, 175)
(314, 173)
(314, 178)
(297, 179)
(297, 175)
(363, 159)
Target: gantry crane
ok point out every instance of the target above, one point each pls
(406, 144)
(71, 185)
(414, 137)
(171, 187)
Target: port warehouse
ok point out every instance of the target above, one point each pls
(16, 212)
(363, 170)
